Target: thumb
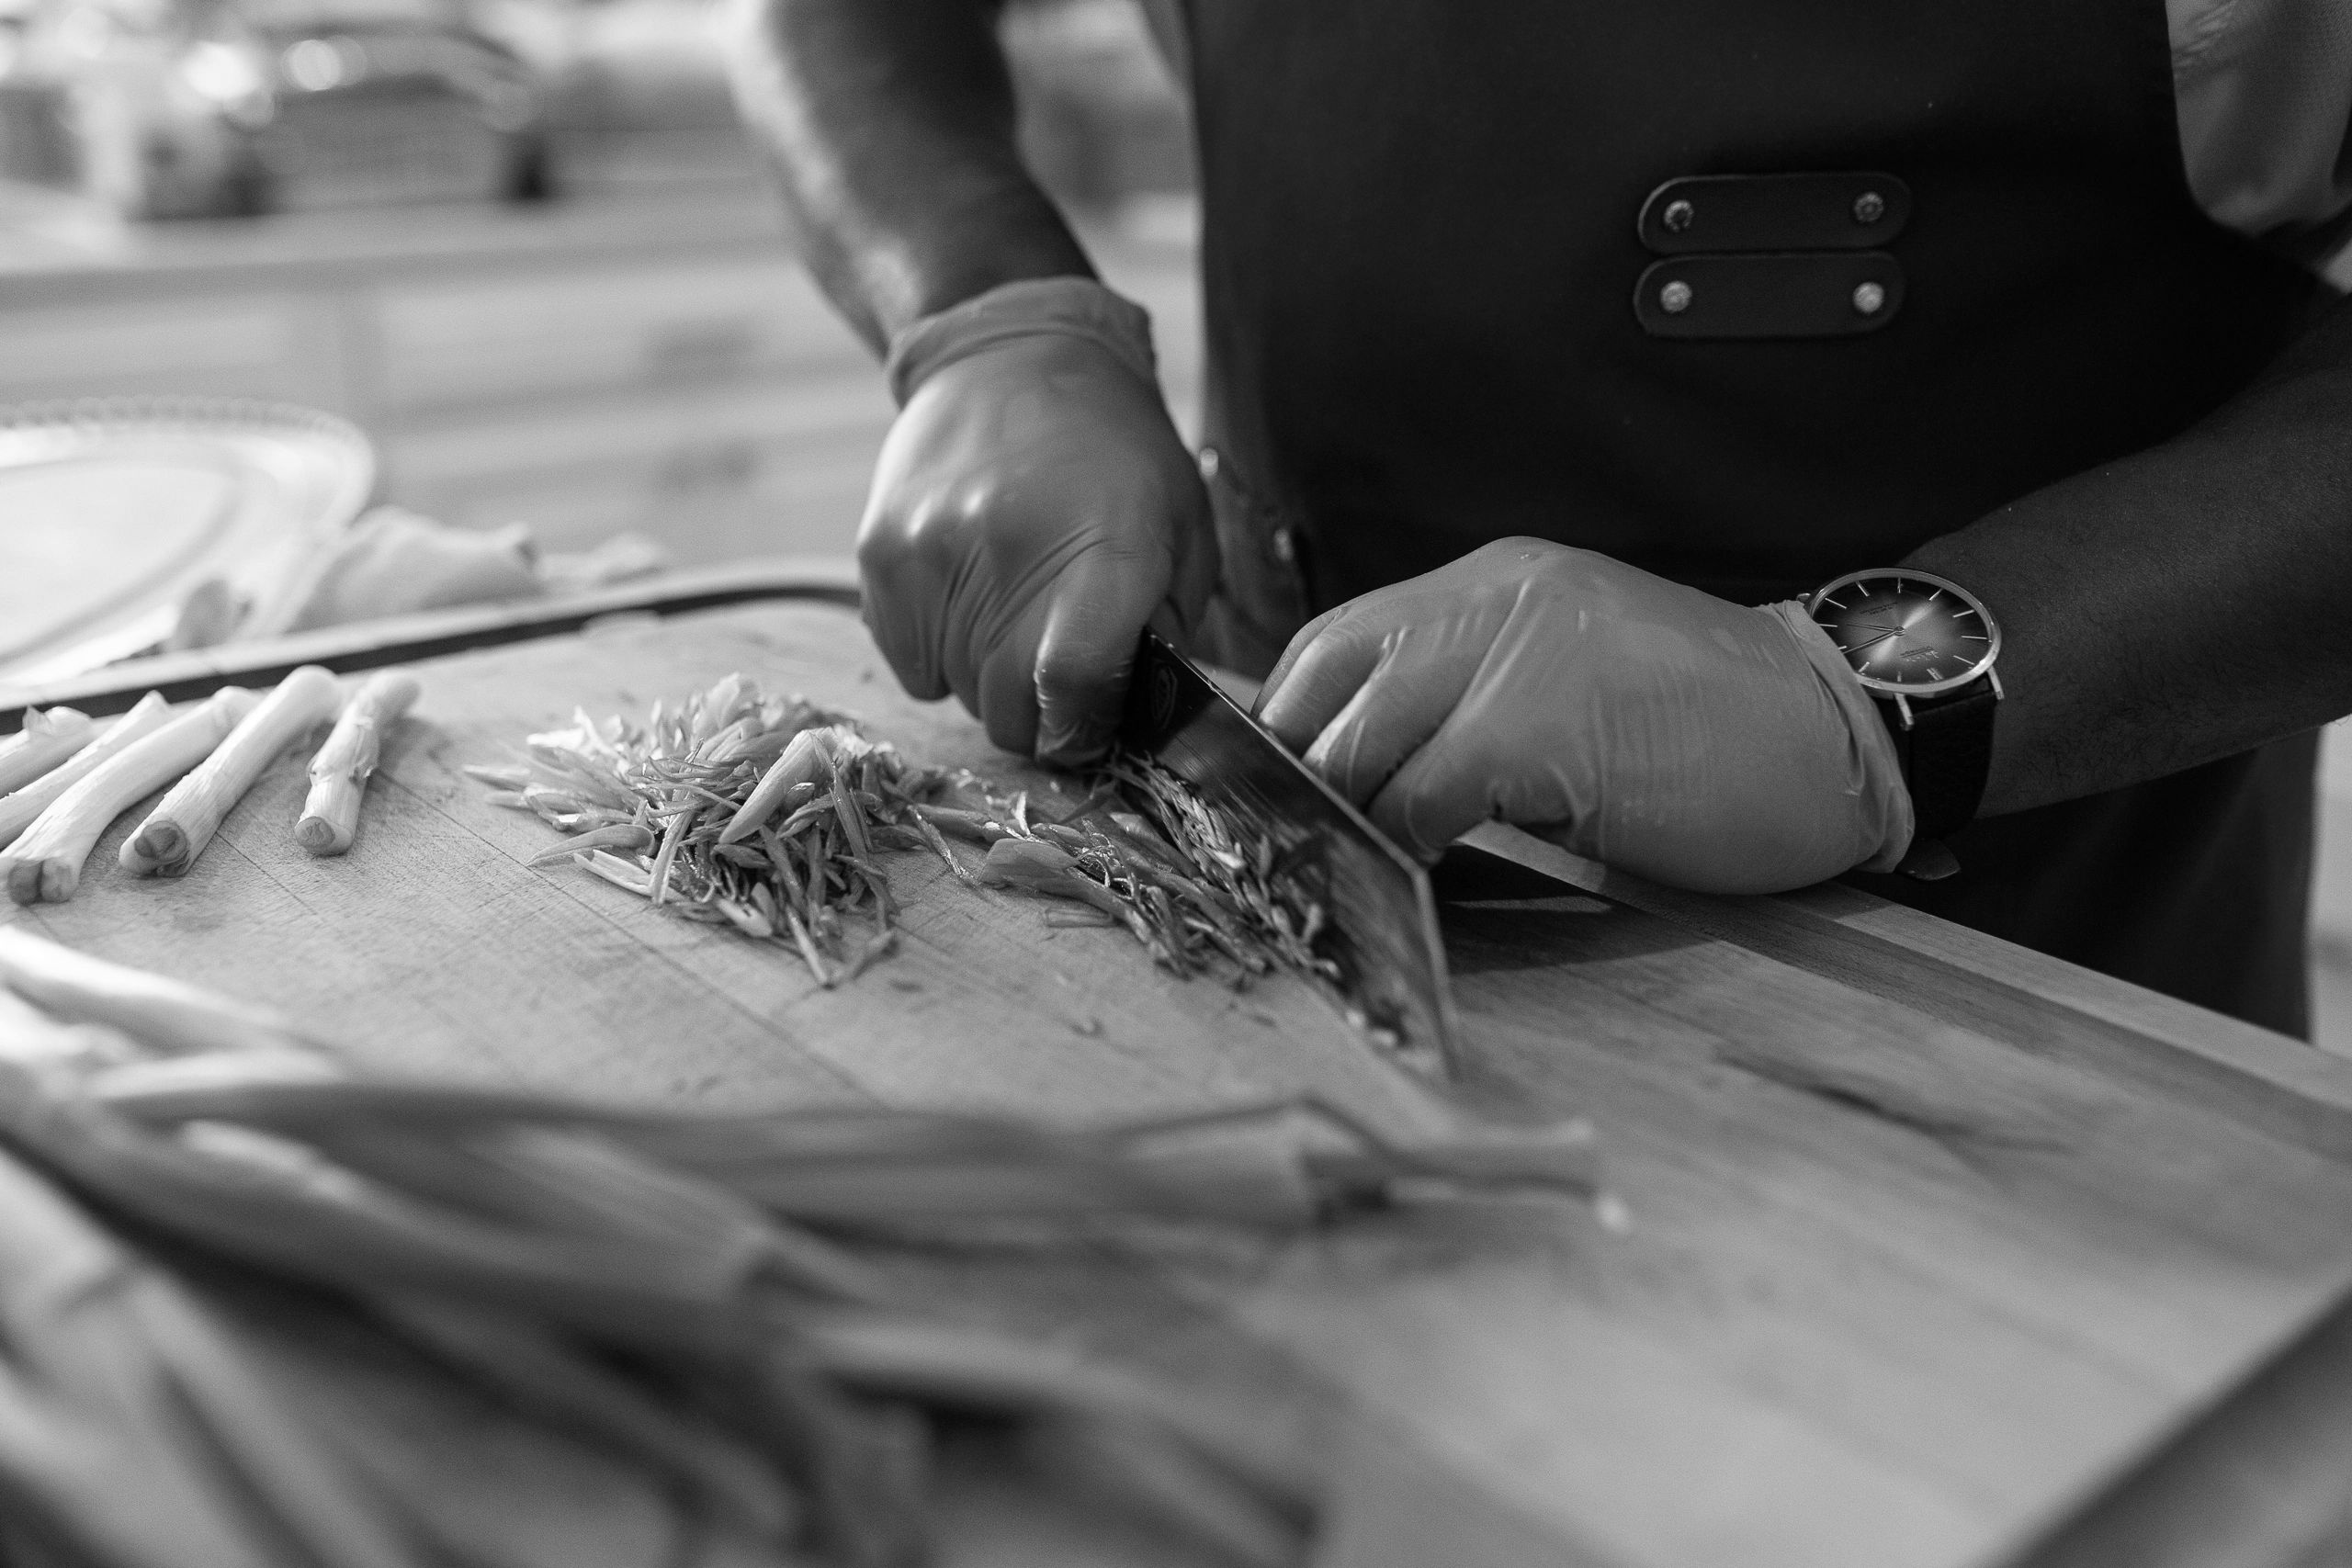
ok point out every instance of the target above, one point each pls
(1088, 647)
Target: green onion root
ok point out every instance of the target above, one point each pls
(176, 831)
(45, 863)
(339, 774)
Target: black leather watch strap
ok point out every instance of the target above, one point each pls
(1945, 752)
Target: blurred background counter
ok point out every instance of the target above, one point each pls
(624, 360)
(604, 330)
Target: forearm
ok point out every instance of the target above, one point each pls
(2179, 605)
(889, 124)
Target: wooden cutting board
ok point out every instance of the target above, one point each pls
(1943, 1253)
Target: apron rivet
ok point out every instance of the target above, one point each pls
(1868, 297)
(1677, 216)
(1868, 207)
(1210, 462)
(1285, 548)
(1675, 298)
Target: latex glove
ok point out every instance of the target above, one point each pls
(1635, 721)
(1033, 509)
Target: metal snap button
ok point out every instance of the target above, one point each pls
(1285, 548)
(1869, 297)
(1675, 298)
(1677, 216)
(1210, 462)
(1868, 207)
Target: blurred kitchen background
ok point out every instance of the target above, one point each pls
(524, 247)
(521, 242)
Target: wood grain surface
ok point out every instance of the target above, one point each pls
(1935, 1244)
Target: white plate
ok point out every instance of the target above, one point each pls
(113, 512)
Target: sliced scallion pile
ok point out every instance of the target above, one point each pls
(766, 813)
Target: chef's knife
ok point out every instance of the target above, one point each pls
(1382, 920)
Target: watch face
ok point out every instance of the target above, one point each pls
(1907, 631)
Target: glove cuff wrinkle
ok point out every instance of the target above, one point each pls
(1876, 772)
(1067, 307)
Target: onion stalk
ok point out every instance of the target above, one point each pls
(45, 863)
(168, 1014)
(177, 830)
(46, 740)
(339, 774)
(690, 1296)
(18, 810)
(806, 758)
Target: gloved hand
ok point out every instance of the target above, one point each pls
(1032, 510)
(1635, 721)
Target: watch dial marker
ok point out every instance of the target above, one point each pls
(1900, 632)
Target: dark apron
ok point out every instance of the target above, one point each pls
(1420, 256)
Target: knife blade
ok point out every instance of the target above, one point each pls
(1383, 919)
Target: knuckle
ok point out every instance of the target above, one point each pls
(880, 554)
(882, 536)
(1318, 640)
(1527, 547)
(919, 535)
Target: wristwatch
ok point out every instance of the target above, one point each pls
(1923, 647)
